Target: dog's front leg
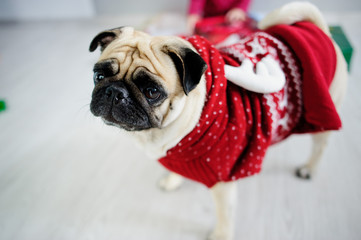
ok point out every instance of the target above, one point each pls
(171, 182)
(225, 196)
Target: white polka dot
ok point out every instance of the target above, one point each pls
(208, 159)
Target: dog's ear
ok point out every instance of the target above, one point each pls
(190, 67)
(104, 38)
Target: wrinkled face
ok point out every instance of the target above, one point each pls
(141, 82)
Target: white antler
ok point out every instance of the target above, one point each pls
(268, 77)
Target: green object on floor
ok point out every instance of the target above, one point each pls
(2, 105)
(340, 38)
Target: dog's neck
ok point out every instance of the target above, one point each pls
(156, 142)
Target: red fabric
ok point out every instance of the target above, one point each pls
(237, 126)
(211, 8)
(227, 125)
(318, 59)
(284, 107)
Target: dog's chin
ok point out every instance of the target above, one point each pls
(111, 121)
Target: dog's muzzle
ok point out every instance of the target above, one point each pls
(116, 105)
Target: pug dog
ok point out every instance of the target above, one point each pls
(209, 114)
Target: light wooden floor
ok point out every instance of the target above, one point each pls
(64, 175)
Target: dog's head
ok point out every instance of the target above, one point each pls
(141, 81)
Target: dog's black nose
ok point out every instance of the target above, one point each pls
(116, 94)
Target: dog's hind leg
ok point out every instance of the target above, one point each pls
(337, 92)
(318, 147)
(225, 198)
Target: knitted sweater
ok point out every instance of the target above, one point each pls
(237, 126)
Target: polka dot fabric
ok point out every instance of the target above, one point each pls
(237, 126)
(232, 135)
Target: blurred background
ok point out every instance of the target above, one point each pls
(67, 9)
(65, 175)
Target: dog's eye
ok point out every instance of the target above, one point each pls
(98, 77)
(152, 93)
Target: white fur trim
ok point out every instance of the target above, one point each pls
(295, 12)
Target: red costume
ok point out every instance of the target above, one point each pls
(237, 126)
(211, 8)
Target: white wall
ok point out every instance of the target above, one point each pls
(116, 7)
(59, 9)
(324, 5)
(104, 7)
(45, 9)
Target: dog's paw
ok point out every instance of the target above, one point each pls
(220, 235)
(304, 173)
(171, 182)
